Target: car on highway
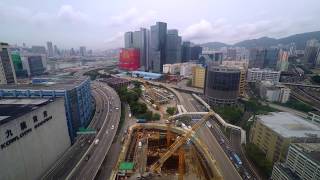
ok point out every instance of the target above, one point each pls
(116, 108)
(87, 157)
(112, 127)
(96, 141)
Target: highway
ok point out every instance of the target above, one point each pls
(227, 169)
(64, 165)
(89, 165)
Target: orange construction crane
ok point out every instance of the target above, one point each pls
(156, 167)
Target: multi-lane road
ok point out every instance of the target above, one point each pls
(225, 165)
(84, 151)
(89, 165)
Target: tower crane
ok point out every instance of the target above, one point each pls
(156, 167)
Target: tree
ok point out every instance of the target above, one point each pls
(316, 79)
(156, 116)
(171, 110)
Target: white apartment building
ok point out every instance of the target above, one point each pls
(256, 75)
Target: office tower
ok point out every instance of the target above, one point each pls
(35, 64)
(158, 43)
(38, 49)
(18, 66)
(231, 54)
(257, 58)
(83, 51)
(273, 132)
(50, 49)
(128, 40)
(72, 52)
(56, 51)
(7, 72)
(186, 51)
(139, 40)
(303, 162)
(195, 52)
(311, 52)
(283, 63)
(272, 56)
(173, 54)
(222, 85)
(129, 59)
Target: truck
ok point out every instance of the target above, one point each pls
(139, 144)
(141, 120)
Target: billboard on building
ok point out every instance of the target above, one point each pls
(129, 59)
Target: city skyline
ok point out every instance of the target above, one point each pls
(101, 25)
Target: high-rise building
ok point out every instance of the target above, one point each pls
(257, 58)
(195, 52)
(56, 51)
(256, 75)
(35, 64)
(173, 54)
(303, 162)
(18, 66)
(50, 49)
(128, 40)
(273, 132)
(198, 76)
(7, 72)
(139, 40)
(158, 38)
(231, 54)
(283, 63)
(83, 51)
(129, 59)
(222, 85)
(271, 59)
(311, 52)
(186, 51)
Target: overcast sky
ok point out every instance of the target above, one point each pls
(100, 24)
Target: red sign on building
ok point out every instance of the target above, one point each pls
(129, 59)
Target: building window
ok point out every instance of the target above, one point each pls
(35, 119)
(23, 125)
(45, 113)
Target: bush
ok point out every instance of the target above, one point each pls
(292, 103)
(231, 114)
(156, 116)
(316, 79)
(171, 110)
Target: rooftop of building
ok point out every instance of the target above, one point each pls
(288, 125)
(13, 108)
(312, 150)
(48, 83)
(223, 68)
(262, 70)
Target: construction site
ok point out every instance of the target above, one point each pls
(165, 151)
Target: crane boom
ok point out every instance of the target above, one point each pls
(156, 167)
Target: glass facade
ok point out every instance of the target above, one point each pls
(222, 85)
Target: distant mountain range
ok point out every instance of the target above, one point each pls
(265, 42)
